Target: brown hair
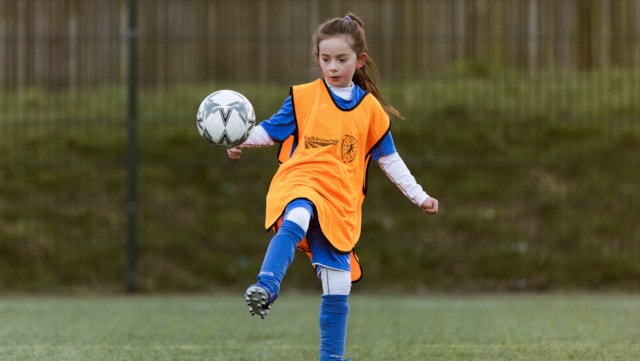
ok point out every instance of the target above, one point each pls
(366, 76)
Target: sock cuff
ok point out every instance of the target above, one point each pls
(292, 228)
(335, 303)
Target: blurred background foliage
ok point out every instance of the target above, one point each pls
(521, 118)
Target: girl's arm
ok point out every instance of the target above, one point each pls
(397, 171)
(258, 138)
(268, 132)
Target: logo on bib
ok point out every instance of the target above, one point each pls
(317, 142)
(349, 148)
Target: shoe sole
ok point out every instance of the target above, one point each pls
(258, 301)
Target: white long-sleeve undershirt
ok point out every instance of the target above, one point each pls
(398, 172)
(258, 138)
(392, 165)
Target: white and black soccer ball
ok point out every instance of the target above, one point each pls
(225, 118)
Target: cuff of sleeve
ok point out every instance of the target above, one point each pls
(421, 198)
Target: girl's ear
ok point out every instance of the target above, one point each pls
(362, 60)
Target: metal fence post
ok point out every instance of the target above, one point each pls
(132, 151)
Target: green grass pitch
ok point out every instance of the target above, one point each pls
(405, 328)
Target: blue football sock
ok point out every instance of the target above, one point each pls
(334, 313)
(279, 256)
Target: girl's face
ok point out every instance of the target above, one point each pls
(338, 61)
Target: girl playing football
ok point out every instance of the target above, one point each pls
(328, 131)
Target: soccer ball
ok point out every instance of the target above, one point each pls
(225, 118)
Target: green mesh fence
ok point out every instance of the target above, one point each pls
(521, 118)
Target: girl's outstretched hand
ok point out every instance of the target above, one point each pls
(430, 206)
(234, 153)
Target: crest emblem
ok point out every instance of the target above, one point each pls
(349, 148)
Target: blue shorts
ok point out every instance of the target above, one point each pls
(323, 253)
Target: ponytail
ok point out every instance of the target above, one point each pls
(366, 76)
